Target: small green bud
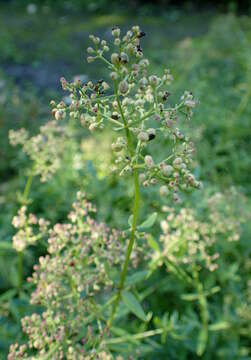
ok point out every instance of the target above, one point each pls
(116, 32)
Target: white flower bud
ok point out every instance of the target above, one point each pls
(124, 57)
(176, 198)
(90, 59)
(136, 29)
(117, 147)
(142, 177)
(92, 127)
(143, 136)
(117, 42)
(149, 161)
(105, 85)
(177, 162)
(90, 50)
(167, 170)
(115, 58)
(164, 191)
(96, 40)
(143, 83)
(190, 103)
(60, 114)
(114, 75)
(153, 80)
(116, 32)
(123, 87)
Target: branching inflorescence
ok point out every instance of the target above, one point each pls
(73, 277)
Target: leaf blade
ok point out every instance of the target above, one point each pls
(133, 305)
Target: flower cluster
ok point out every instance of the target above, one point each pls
(29, 229)
(137, 104)
(72, 285)
(190, 241)
(44, 149)
(225, 215)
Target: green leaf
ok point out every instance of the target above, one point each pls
(189, 297)
(6, 246)
(221, 325)
(153, 243)
(130, 220)
(149, 222)
(136, 277)
(7, 295)
(111, 273)
(133, 305)
(202, 341)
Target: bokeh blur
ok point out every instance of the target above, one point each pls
(207, 47)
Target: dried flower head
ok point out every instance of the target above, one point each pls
(72, 283)
(44, 149)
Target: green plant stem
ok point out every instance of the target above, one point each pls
(135, 216)
(139, 336)
(20, 253)
(129, 248)
(203, 338)
(27, 187)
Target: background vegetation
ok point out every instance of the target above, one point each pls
(207, 51)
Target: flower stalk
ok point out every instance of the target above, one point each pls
(129, 248)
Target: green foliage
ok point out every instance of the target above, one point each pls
(208, 317)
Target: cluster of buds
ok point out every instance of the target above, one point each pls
(137, 105)
(188, 241)
(71, 282)
(194, 243)
(45, 149)
(29, 229)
